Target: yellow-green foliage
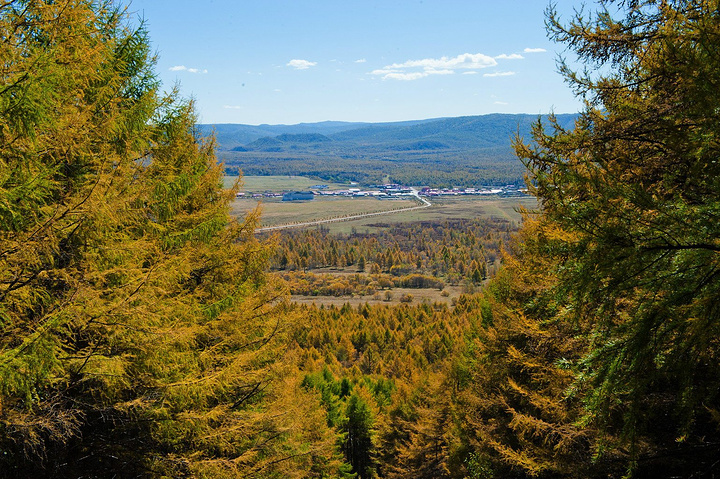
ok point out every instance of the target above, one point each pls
(600, 355)
(450, 249)
(139, 331)
(517, 412)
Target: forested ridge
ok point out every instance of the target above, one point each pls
(146, 333)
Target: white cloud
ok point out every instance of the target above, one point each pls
(440, 72)
(500, 103)
(416, 69)
(232, 107)
(401, 75)
(465, 61)
(383, 71)
(534, 50)
(512, 56)
(301, 64)
(183, 68)
(362, 60)
(470, 73)
(499, 74)
(405, 76)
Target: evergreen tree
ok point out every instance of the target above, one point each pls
(140, 334)
(359, 433)
(632, 194)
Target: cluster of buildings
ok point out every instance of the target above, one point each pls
(508, 190)
(387, 191)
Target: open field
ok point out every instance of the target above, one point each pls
(278, 212)
(260, 184)
(462, 206)
(419, 295)
(446, 208)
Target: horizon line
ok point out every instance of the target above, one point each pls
(391, 121)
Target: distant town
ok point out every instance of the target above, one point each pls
(385, 192)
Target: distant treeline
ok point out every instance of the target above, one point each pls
(463, 151)
(445, 169)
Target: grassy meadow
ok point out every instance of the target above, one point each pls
(427, 295)
(259, 184)
(460, 207)
(276, 212)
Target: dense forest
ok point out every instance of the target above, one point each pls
(465, 151)
(424, 254)
(436, 169)
(147, 333)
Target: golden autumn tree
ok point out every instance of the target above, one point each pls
(613, 359)
(518, 410)
(139, 333)
(636, 185)
(598, 351)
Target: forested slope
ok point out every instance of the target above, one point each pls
(594, 351)
(140, 335)
(602, 354)
(468, 151)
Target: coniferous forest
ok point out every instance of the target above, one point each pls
(145, 332)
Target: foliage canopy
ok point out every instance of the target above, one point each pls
(630, 216)
(139, 332)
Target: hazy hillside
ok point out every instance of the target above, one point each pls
(233, 135)
(469, 151)
(469, 132)
(465, 133)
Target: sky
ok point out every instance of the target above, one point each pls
(303, 61)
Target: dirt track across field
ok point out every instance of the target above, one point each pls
(425, 204)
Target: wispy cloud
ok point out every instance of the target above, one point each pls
(466, 60)
(183, 68)
(416, 69)
(500, 103)
(362, 60)
(301, 64)
(534, 50)
(232, 107)
(512, 56)
(404, 76)
(499, 74)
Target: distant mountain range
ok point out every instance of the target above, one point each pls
(441, 152)
(485, 132)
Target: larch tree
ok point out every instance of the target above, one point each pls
(517, 409)
(139, 333)
(635, 189)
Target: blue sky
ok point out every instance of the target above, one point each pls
(294, 61)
